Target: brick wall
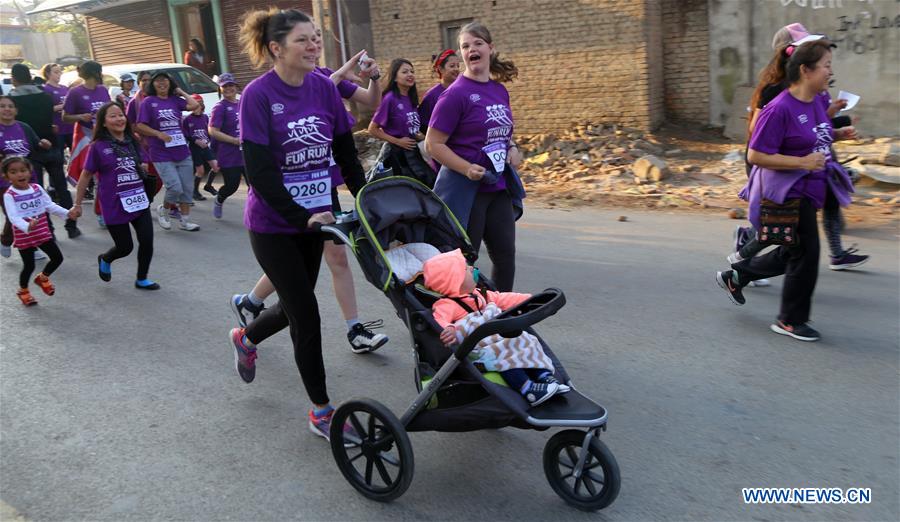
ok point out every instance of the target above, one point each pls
(578, 61)
(686, 60)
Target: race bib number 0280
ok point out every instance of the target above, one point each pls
(310, 190)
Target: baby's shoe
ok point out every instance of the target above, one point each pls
(550, 379)
(539, 392)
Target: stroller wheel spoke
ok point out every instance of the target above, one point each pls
(573, 457)
(371, 433)
(566, 476)
(355, 457)
(594, 477)
(385, 476)
(357, 425)
(577, 489)
(390, 459)
(565, 464)
(589, 485)
(369, 465)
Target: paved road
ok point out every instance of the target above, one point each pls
(119, 405)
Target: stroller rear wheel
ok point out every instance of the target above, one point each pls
(588, 482)
(376, 456)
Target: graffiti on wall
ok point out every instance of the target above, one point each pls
(823, 4)
(860, 33)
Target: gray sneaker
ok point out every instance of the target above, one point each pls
(184, 224)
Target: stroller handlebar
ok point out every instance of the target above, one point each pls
(340, 231)
(512, 322)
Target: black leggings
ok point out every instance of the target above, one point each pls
(121, 236)
(798, 263)
(292, 263)
(492, 218)
(232, 177)
(51, 249)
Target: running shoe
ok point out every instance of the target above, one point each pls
(73, 231)
(244, 356)
(550, 379)
(539, 392)
(46, 285)
(5, 250)
(244, 310)
(802, 332)
(25, 296)
(184, 224)
(146, 284)
(761, 283)
(106, 274)
(39, 254)
(162, 215)
(734, 258)
(209, 188)
(198, 196)
(723, 279)
(363, 339)
(847, 260)
(321, 426)
(217, 209)
(741, 235)
(100, 222)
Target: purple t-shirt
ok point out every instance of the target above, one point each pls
(426, 106)
(133, 108)
(478, 119)
(121, 191)
(82, 100)
(297, 125)
(397, 116)
(164, 115)
(14, 142)
(58, 94)
(195, 127)
(791, 127)
(226, 116)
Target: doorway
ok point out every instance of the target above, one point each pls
(196, 21)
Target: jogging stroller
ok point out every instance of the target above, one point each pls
(454, 395)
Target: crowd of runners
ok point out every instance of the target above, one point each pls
(288, 134)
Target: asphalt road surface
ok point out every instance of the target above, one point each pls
(124, 405)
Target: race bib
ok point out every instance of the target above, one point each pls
(177, 138)
(30, 205)
(134, 200)
(310, 190)
(496, 152)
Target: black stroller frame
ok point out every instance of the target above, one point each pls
(455, 395)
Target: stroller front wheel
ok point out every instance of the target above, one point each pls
(373, 451)
(588, 482)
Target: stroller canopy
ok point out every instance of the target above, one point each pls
(402, 209)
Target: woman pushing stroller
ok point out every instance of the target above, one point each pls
(520, 361)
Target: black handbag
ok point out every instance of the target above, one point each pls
(777, 222)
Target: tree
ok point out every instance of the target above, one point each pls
(55, 22)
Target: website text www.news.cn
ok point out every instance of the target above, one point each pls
(807, 495)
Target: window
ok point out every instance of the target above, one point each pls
(450, 32)
(193, 81)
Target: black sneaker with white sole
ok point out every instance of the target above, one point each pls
(244, 310)
(801, 332)
(550, 379)
(723, 279)
(363, 339)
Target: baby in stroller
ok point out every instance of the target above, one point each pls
(520, 361)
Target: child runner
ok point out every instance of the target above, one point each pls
(26, 206)
(521, 361)
(225, 127)
(196, 129)
(115, 157)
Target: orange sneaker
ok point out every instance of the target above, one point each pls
(45, 284)
(26, 297)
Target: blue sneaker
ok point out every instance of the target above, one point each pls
(244, 356)
(741, 236)
(217, 209)
(244, 310)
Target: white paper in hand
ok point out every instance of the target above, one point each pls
(851, 98)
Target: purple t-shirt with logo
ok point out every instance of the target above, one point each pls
(226, 117)
(792, 127)
(397, 116)
(164, 115)
(82, 100)
(476, 116)
(426, 106)
(196, 127)
(14, 142)
(297, 125)
(58, 94)
(120, 184)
